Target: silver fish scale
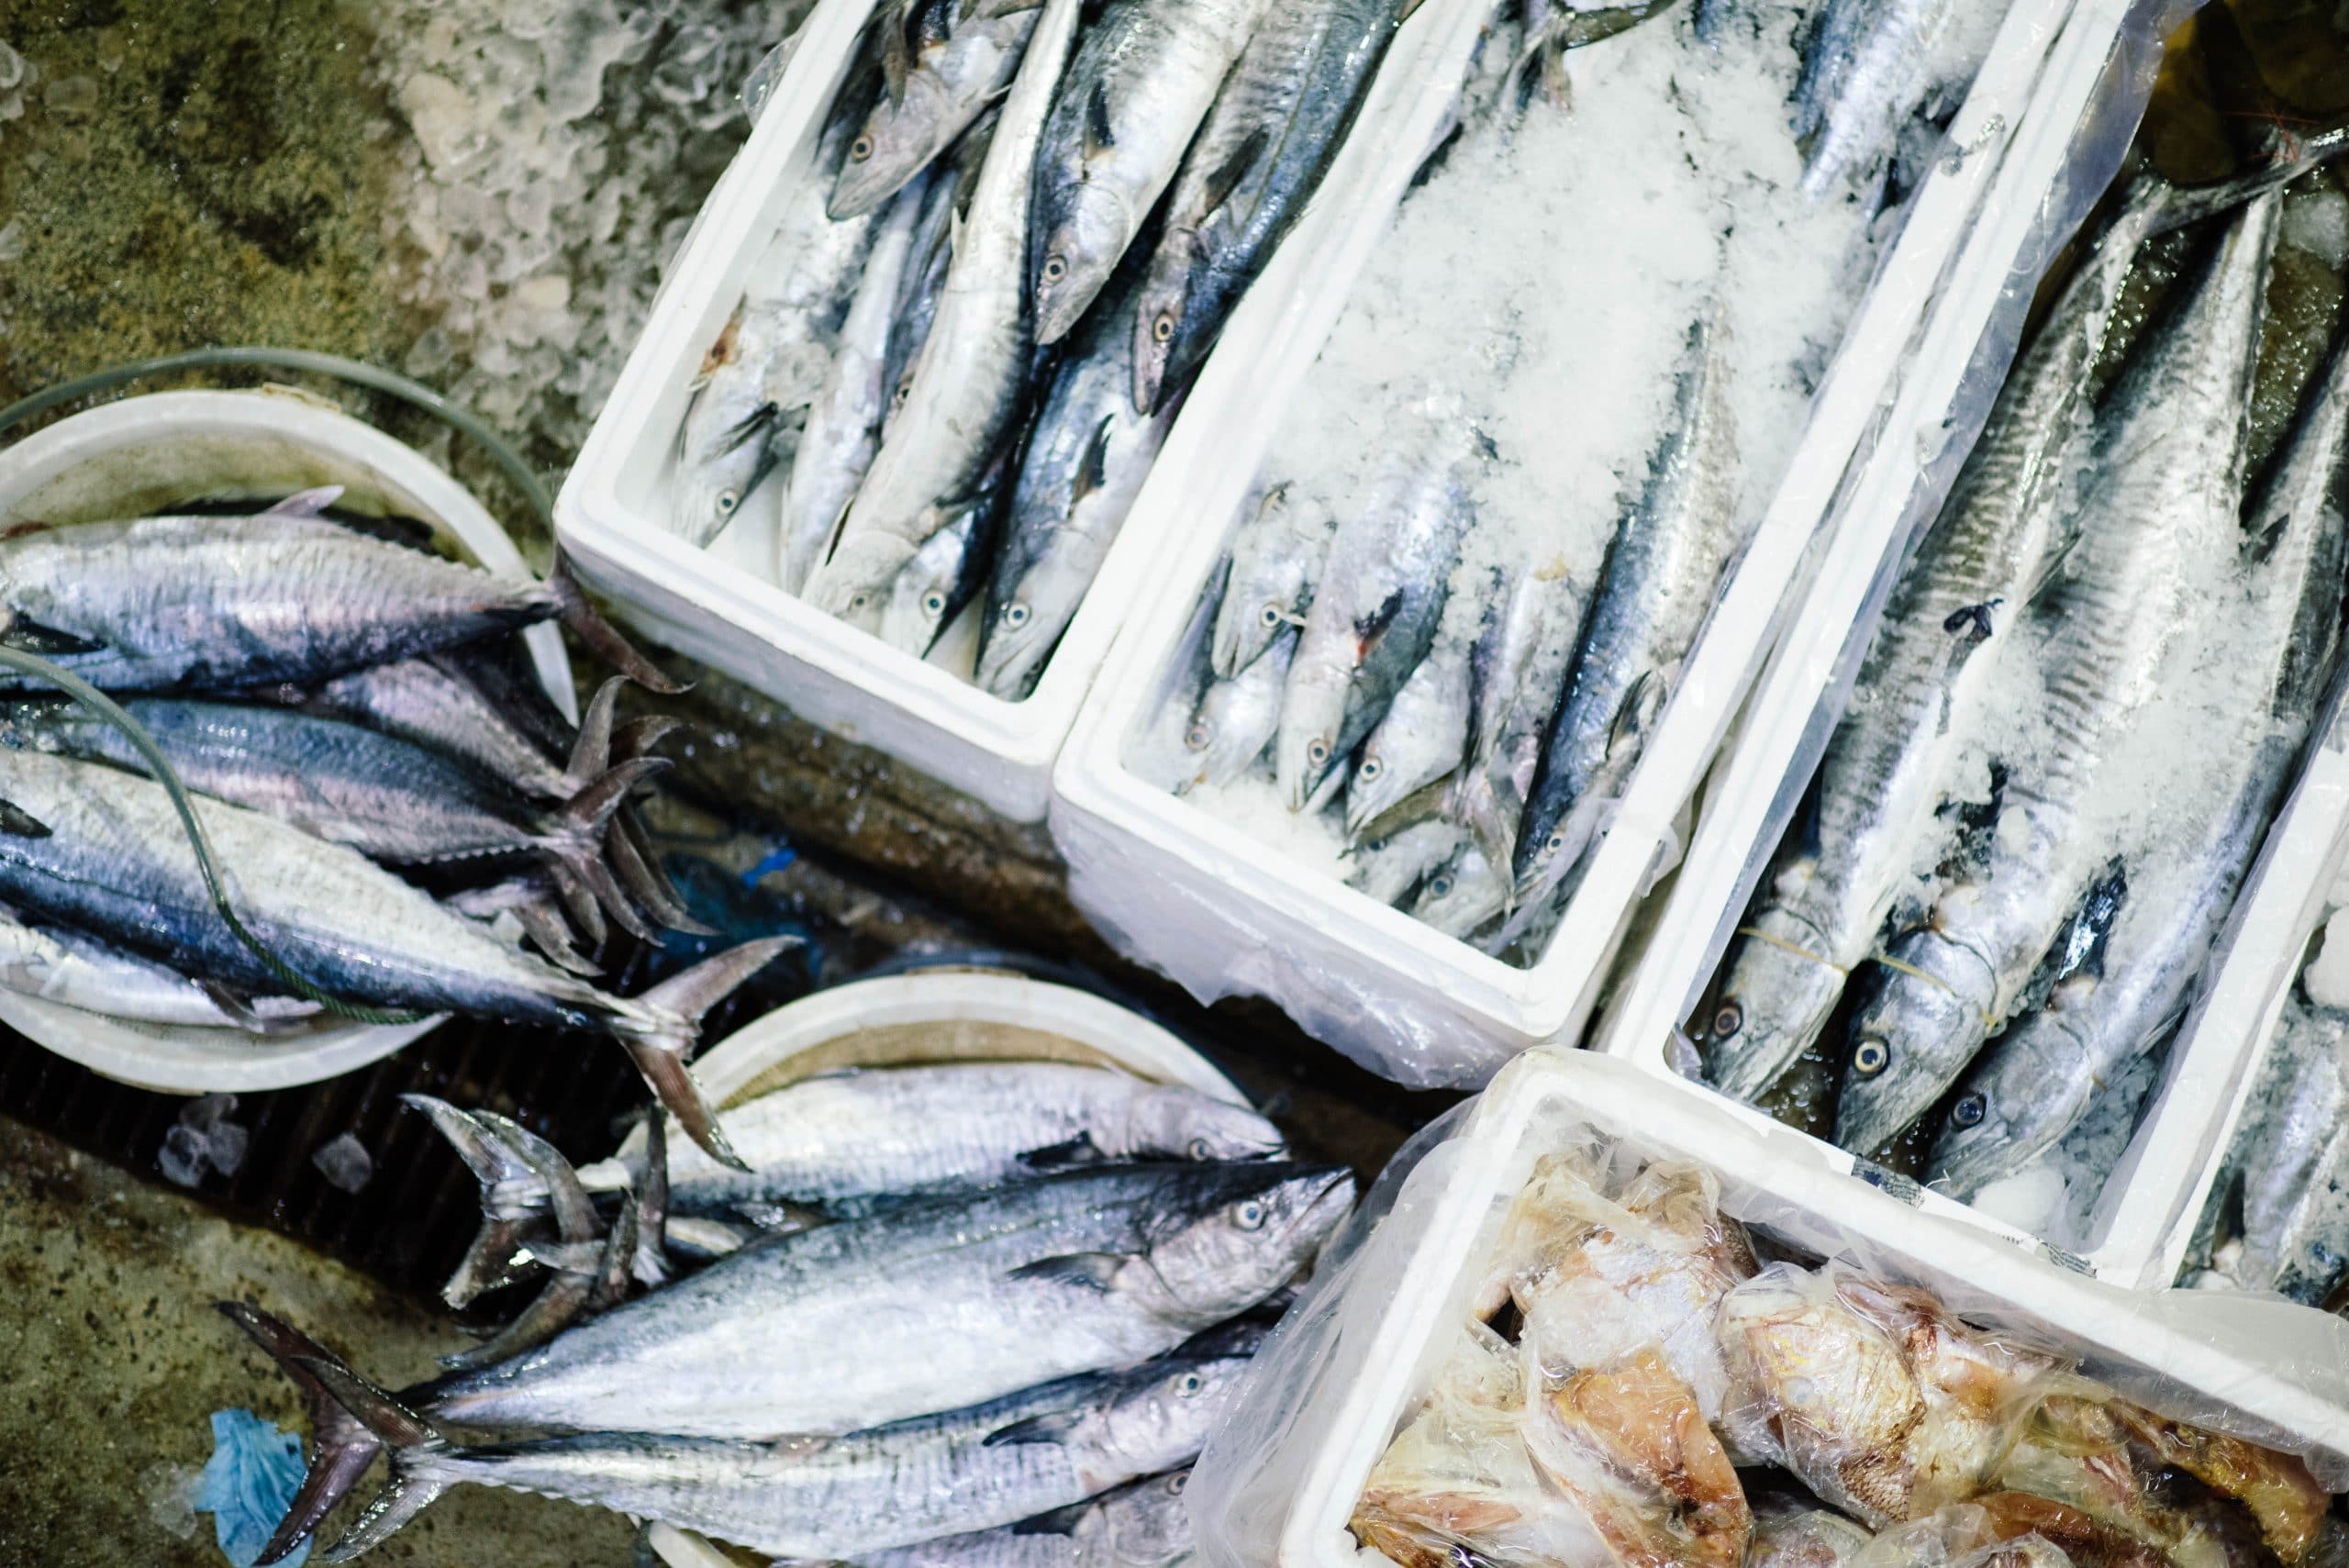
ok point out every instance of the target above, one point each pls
(240, 601)
(1144, 1524)
(1866, 72)
(416, 700)
(2295, 1176)
(75, 971)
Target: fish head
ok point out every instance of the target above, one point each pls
(1313, 707)
(1460, 895)
(729, 450)
(2015, 1103)
(1777, 997)
(1156, 1416)
(853, 586)
(896, 141)
(1244, 629)
(1147, 1524)
(928, 591)
(1228, 728)
(1172, 1123)
(1086, 229)
(1021, 630)
(1232, 1234)
(1158, 319)
(1910, 1040)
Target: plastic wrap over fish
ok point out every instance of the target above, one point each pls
(1955, 1398)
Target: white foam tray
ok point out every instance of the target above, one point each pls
(1388, 1337)
(718, 606)
(1225, 914)
(1754, 788)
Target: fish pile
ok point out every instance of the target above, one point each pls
(981, 1313)
(396, 806)
(1021, 239)
(2084, 705)
(1452, 613)
(1634, 1385)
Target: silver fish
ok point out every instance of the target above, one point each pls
(2163, 509)
(104, 850)
(1037, 1451)
(1425, 732)
(1519, 667)
(1236, 719)
(2295, 1176)
(947, 197)
(1392, 868)
(59, 964)
(1140, 84)
(807, 1331)
(1376, 610)
(2035, 1082)
(1866, 69)
(1663, 570)
(1144, 1524)
(973, 375)
(1462, 895)
(938, 79)
(1276, 557)
(1085, 461)
(944, 576)
(432, 702)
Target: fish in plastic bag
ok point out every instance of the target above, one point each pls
(1788, 1535)
(248, 1483)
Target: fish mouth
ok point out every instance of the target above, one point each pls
(1327, 1209)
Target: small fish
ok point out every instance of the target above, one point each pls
(1519, 670)
(1392, 868)
(1140, 84)
(1425, 732)
(1866, 69)
(2295, 1177)
(1143, 1525)
(937, 81)
(61, 965)
(945, 575)
(1276, 557)
(758, 377)
(1236, 719)
(1462, 896)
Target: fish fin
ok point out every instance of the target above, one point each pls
(543, 924)
(234, 1009)
(579, 904)
(640, 735)
(1078, 1150)
(1100, 136)
(588, 624)
(591, 753)
(619, 1257)
(496, 1163)
(1227, 175)
(1637, 716)
(306, 503)
(566, 1257)
(18, 823)
(1094, 1271)
(629, 848)
(1060, 1522)
(649, 1178)
(575, 1211)
(1371, 628)
(553, 1309)
(896, 58)
(342, 1447)
(1093, 473)
(676, 1007)
(27, 635)
(1046, 1429)
(574, 839)
(497, 1258)
(412, 1487)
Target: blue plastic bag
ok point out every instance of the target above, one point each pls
(248, 1485)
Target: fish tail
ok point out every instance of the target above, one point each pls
(668, 1024)
(512, 1192)
(415, 1449)
(542, 921)
(588, 624)
(591, 751)
(341, 1445)
(630, 850)
(648, 1179)
(575, 837)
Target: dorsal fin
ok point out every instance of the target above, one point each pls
(1093, 468)
(1226, 176)
(1100, 135)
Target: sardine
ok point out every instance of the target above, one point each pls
(59, 964)
(1262, 152)
(1236, 719)
(2161, 511)
(1141, 83)
(1085, 461)
(1276, 557)
(937, 81)
(2035, 1084)
(1144, 1524)
(1866, 69)
(1424, 733)
(1663, 570)
(2295, 1177)
(973, 375)
(1375, 609)
(1519, 667)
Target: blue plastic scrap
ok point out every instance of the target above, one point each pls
(248, 1485)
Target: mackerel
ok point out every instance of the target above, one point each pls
(1236, 719)
(947, 197)
(2295, 1176)
(1424, 734)
(944, 576)
(1519, 671)
(59, 964)
(1276, 557)
(1867, 66)
(1462, 895)
(1143, 1525)
(938, 79)
(1390, 869)
(432, 702)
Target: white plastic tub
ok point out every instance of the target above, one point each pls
(718, 603)
(1281, 1480)
(1224, 914)
(938, 1015)
(144, 455)
(1755, 789)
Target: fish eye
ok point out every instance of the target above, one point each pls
(1163, 330)
(1317, 753)
(1200, 1149)
(1198, 738)
(904, 390)
(860, 149)
(1270, 614)
(1190, 1383)
(727, 501)
(1969, 1110)
(1014, 616)
(1174, 1482)
(933, 604)
(858, 601)
(1441, 887)
(1554, 844)
(1055, 269)
(1728, 1019)
(1249, 1216)
(1871, 1057)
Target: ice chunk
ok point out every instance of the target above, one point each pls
(343, 1161)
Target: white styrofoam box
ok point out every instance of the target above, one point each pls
(721, 606)
(146, 454)
(1755, 789)
(2220, 1359)
(1202, 900)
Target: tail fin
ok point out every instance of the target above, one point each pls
(413, 1444)
(566, 1292)
(640, 875)
(591, 751)
(639, 736)
(575, 838)
(650, 1182)
(592, 628)
(585, 915)
(513, 1194)
(670, 1018)
(342, 1447)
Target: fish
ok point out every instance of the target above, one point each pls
(61, 965)
(1143, 1524)
(805, 1332)
(825, 1499)
(1376, 610)
(939, 78)
(1389, 868)
(1461, 897)
(1137, 88)
(1807, 1537)
(2161, 509)
(1663, 570)
(843, 428)
(1085, 460)
(168, 604)
(2295, 1176)
(1258, 156)
(2034, 1083)
(434, 702)
(105, 851)
(971, 382)
(762, 369)
(1867, 67)
(945, 575)
(947, 197)
(1236, 719)
(1425, 732)
(1519, 670)
(1276, 557)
